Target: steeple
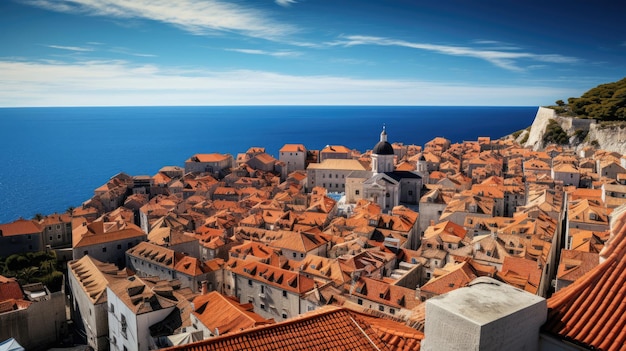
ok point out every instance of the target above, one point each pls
(383, 135)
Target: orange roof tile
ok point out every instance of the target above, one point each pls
(19, 227)
(10, 289)
(292, 148)
(591, 312)
(225, 314)
(209, 157)
(330, 328)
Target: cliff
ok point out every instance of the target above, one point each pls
(580, 132)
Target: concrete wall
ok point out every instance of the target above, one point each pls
(93, 319)
(15, 244)
(111, 252)
(268, 301)
(486, 315)
(293, 160)
(38, 326)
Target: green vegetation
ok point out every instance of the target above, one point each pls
(606, 102)
(581, 134)
(34, 267)
(516, 134)
(554, 134)
(524, 139)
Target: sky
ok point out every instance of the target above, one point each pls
(307, 52)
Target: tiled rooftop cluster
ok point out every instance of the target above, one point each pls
(249, 237)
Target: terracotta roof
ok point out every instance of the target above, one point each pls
(592, 311)
(191, 266)
(10, 289)
(281, 278)
(93, 277)
(19, 227)
(574, 264)
(293, 148)
(521, 273)
(215, 310)
(330, 328)
(455, 276)
(336, 149)
(156, 254)
(209, 157)
(385, 293)
(95, 239)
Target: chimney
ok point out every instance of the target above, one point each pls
(204, 289)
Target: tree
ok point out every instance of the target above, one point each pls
(38, 217)
(560, 103)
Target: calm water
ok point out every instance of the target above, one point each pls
(53, 158)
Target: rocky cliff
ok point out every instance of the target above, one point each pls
(581, 132)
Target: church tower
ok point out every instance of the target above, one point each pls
(382, 155)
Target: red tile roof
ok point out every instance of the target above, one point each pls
(215, 310)
(592, 311)
(328, 329)
(10, 289)
(19, 227)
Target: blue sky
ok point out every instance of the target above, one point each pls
(306, 52)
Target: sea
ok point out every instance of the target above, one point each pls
(54, 158)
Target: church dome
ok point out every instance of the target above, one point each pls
(383, 147)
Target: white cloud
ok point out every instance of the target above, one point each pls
(111, 83)
(504, 59)
(195, 16)
(70, 48)
(286, 3)
(285, 53)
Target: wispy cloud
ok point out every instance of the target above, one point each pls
(70, 48)
(126, 51)
(286, 3)
(105, 83)
(195, 16)
(285, 53)
(504, 59)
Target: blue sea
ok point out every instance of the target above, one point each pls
(53, 158)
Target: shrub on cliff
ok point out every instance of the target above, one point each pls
(554, 134)
(606, 102)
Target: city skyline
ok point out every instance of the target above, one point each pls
(288, 52)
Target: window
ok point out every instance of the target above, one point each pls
(58, 236)
(294, 255)
(262, 288)
(249, 282)
(50, 238)
(285, 315)
(104, 249)
(356, 192)
(392, 311)
(301, 255)
(336, 175)
(359, 301)
(86, 252)
(387, 195)
(119, 246)
(284, 293)
(29, 237)
(112, 308)
(381, 308)
(410, 192)
(263, 306)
